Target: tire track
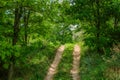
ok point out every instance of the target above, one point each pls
(55, 63)
(76, 62)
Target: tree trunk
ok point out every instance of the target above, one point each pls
(18, 13)
(26, 19)
(98, 26)
(11, 71)
(116, 20)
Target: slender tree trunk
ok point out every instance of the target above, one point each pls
(98, 26)
(116, 20)
(18, 12)
(26, 19)
(11, 71)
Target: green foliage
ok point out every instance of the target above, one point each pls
(93, 66)
(99, 19)
(31, 31)
(35, 59)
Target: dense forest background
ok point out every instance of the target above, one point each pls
(32, 30)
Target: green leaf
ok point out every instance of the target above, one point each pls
(6, 65)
